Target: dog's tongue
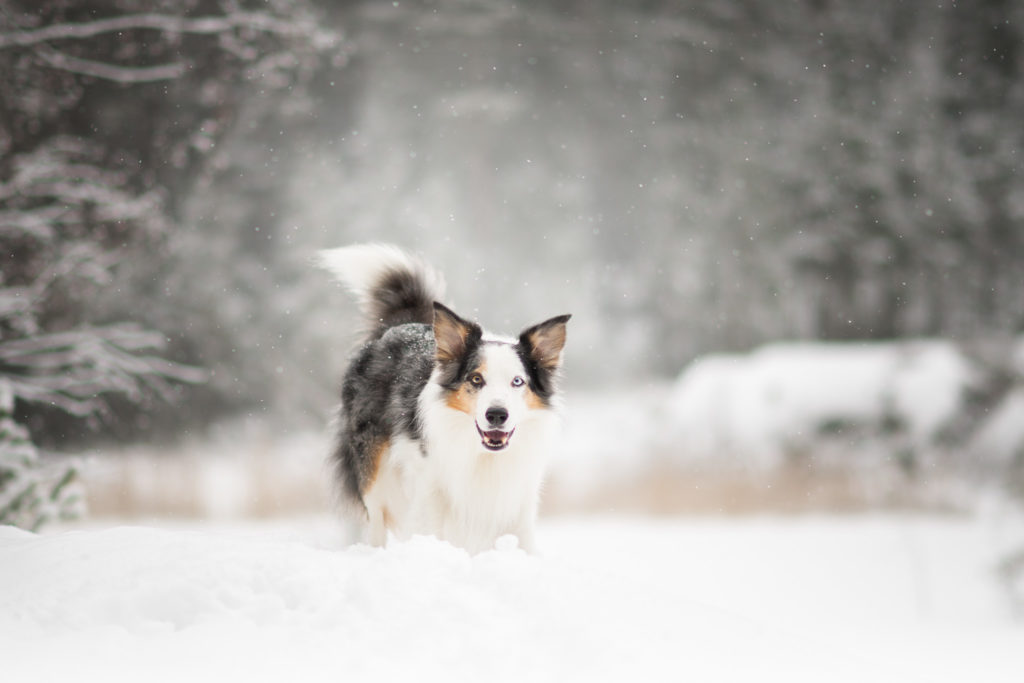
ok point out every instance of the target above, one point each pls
(495, 435)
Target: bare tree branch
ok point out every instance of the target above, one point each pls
(111, 72)
(225, 25)
(257, 21)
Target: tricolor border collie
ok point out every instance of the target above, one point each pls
(444, 429)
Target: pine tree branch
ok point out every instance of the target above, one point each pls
(71, 370)
(31, 492)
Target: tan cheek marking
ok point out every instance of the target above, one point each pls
(533, 401)
(464, 398)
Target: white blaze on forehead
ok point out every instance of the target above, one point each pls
(500, 339)
(501, 365)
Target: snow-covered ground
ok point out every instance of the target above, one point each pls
(864, 598)
(873, 597)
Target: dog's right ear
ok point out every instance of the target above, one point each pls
(453, 334)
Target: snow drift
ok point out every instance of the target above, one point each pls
(615, 600)
(127, 603)
(785, 400)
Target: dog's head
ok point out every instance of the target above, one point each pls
(497, 382)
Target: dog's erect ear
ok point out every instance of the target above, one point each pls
(453, 334)
(544, 342)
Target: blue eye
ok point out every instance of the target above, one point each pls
(517, 381)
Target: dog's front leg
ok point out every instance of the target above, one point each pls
(430, 513)
(524, 530)
(377, 530)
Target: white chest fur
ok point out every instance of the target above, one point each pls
(470, 496)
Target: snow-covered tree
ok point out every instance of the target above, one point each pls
(109, 113)
(31, 492)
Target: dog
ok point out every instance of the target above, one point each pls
(444, 429)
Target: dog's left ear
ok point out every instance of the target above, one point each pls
(454, 336)
(544, 342)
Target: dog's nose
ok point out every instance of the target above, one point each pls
(496, 416)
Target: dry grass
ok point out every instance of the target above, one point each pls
(789, 490)
(185, 488)
(246, 475)
(262, 476)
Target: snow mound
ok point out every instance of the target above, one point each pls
(786, 398)
(129, 604)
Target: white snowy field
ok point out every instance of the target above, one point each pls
(824, 598)
(883, 596)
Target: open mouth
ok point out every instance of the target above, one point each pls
(495, 439)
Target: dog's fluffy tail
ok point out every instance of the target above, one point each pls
(390, 286)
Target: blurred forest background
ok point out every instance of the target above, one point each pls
(687, 178)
